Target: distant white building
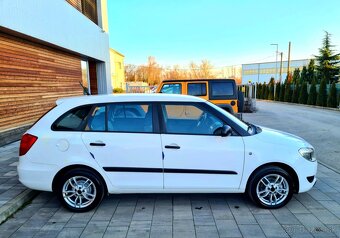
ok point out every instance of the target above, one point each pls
(262, 72)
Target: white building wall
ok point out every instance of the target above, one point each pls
(58, 23)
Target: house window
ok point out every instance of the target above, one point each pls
(89, 9)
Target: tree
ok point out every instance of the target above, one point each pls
(282, 92)
(321, 99)
(271, 89)
(288, 93)
(303, 77)
(296, 93)
(303, 97)
(332, 99)
(277, 92)
(265, 91)
(296, 76)
(259, 91)
(130, 72)
(311, 71)
(328, 60)
(312, 94)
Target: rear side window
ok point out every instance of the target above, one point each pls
(174, 88)
(96, 121)
(130, 117)
(197, 89)
(73, 120)
(222, 90)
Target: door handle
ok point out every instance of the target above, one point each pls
(97, 144)
(172, 146)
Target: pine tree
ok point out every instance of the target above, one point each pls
(271, 89)
(296, 93)
(258, 90)
(303, 97)
(282, 92)
(288, 93)
(312, 94)
(311, 71)
(265, 91)
(321, 100)
(303, 76)
(296, 76)
(332, 100)
(328, 61)
(277, 92)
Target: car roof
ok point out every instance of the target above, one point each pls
(131, 97)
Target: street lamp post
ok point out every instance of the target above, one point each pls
(277, 51)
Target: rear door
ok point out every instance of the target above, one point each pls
(123, 139)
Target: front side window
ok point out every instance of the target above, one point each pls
(174, 88)
(73, 120)
(130, 117)
(221, 90)
(189, 119)
(197, 89)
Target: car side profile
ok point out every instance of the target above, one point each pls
(90, 146)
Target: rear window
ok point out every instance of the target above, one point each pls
(174, 88)
(197, 89)
(222, 90)
(73, 120)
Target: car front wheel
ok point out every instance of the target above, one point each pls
(271, 187)
(80, 190)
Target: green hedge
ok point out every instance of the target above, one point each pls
(303, 93)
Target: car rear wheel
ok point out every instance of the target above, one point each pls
(271, 187)
(80, 190)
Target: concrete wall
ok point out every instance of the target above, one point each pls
(58, 23)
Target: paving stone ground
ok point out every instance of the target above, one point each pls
(312, 214)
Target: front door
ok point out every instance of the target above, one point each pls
(194, 156)
(122, 139)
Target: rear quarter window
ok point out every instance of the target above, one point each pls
(73, 120)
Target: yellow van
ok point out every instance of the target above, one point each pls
(222, 92)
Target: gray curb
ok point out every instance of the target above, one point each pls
(16, 203)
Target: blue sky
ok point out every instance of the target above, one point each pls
(224, 32)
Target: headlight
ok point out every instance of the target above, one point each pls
(307, 153)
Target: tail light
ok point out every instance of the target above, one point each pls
(26, 143)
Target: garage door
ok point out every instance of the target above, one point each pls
(32, 77)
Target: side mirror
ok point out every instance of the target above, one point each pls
(226, 130)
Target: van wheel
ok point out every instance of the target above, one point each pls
(80, 190)
(271, 187)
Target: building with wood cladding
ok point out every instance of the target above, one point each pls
(117, 69)
(48, 50)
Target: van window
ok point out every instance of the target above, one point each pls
(222, 90)
(173, 88)
(197, 89)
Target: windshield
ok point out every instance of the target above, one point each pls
(243, 125)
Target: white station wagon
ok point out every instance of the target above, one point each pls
(90, 146)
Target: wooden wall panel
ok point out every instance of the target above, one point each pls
(32, 78)
(75, 3)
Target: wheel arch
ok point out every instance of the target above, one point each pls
(77, 166)
(283, 166)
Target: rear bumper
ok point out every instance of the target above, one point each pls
(36, 176)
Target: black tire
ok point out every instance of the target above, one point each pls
(240, 102)
(96, 189)
(271, 173)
